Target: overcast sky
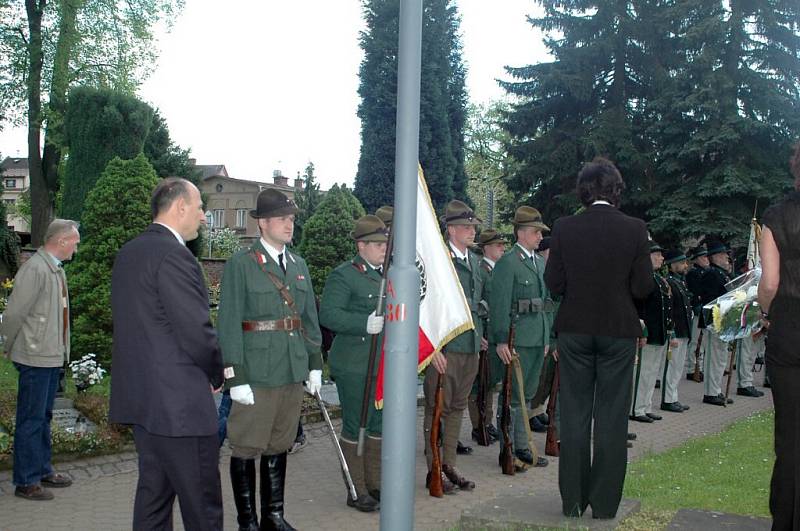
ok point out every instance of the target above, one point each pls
(265, 85)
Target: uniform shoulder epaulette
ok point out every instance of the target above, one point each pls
(361, 268)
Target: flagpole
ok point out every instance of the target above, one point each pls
(402, 322)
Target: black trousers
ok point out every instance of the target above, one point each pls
(784, 494)
(184, 466)
(595, 384)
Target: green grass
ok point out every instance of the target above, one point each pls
(727, 472)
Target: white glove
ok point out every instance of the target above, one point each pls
(243, 394)
(374, 324)
(314, 383)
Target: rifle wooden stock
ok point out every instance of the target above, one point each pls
(373, 350)
(551, 443)
(483, 391)
(696, 373)
(506, 453)
(435, 488)
(732, 352)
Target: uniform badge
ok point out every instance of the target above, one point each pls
(228, 373)
(260, 258)
(301, 277)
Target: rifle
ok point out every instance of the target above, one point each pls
(524, 408)
(696, 374)
(373, 349)
(551, 443)
(345, 469)
(436, 488)
(506, 452)
(637, 362)
(483, 391)
(733, 348)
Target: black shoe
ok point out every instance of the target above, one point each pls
(729, 401)
(714, 400)
(674, 407)
(58, 481)
(536, 425)
(463, 450)
(683, 406)
(476, 436)
(767, 384)
(243, 481)
(641, 418)
(273, 482)
(364, 503)
(629, 444)
(631, 436)
(447, 485)
(690, 377)
(749, 391)
(541, 462)
(525, 456)
(654, 416)
(493, 433)
(456, 478)
(658, 384)
(544, 419)
(33, 492)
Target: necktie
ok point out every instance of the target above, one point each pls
(280, 263)
(380, 270)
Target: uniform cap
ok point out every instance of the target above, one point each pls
(459, 213)
(272, 203)
(527, 216)
(490, 236)
(370, 229)
(386, 213)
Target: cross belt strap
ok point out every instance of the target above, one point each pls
(285, 324)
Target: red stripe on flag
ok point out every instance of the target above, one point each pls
(423, 358)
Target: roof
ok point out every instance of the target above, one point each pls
(212, 170)
(14, 166)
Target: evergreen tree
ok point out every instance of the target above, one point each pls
(442, 103)
(9, 244)
(100, 125)
(168, 158)
(307, 201)
(326, 239)
(117, 209)
(728, 121)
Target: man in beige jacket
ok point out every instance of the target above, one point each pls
(36, 329)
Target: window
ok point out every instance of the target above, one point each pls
(219, 218)
(10, 183)
(241, 219)
(8, 201)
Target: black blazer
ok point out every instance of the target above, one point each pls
(599, 261)
(165, 357)
(656, 312)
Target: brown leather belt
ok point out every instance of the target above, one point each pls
(287, 324)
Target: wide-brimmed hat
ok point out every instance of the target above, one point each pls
(655, 248)
(527, 216)
(370, 229)
(459, 213)
(674, 255)
(716, 247)
(386, 213)
(697, 252)
(490, 236)
(272, 203)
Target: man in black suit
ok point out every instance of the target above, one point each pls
(599, 262)
(167, 365)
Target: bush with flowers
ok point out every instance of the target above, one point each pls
(86, 372)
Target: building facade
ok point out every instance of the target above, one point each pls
(16, 181)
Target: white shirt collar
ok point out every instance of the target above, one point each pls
(272, 251)
(601, 202)
(173, 231)
(459, 254)
(524, 250)
(489, 261)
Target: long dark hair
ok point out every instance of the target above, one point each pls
(600, 180)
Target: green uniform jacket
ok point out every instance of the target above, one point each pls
(269, 358)
(471, 279)
(516, 278)
(350, 295)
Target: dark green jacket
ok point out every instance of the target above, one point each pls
(516, 278)
(471, 281)
(350, 295)
(270, 358)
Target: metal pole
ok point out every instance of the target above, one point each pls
(400, 384)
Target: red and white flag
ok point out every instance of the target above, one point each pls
(443, 309)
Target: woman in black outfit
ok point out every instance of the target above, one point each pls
(779, 297)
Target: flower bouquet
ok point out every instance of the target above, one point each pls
(86, 372)
(736, 314)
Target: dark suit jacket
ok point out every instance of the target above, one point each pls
(599, 261)
(165, 350)
(656, 312)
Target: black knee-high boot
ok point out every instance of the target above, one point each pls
(273, 481)
(243, 480)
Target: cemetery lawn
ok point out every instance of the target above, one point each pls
(726, 472)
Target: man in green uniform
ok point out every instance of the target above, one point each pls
(270, 340)
(386, 213)
(348, 307)
(458, 361)
(493, 246)
(519, 293)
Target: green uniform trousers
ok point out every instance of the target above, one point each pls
(350, 386)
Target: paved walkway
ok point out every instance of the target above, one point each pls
(102, 496)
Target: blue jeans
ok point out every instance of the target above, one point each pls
(32, 446)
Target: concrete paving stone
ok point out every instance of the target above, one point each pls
(690, 519)
(109, 469)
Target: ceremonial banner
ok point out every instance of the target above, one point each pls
(443, 309)
(753, 256)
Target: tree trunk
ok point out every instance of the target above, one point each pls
(41, 207)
